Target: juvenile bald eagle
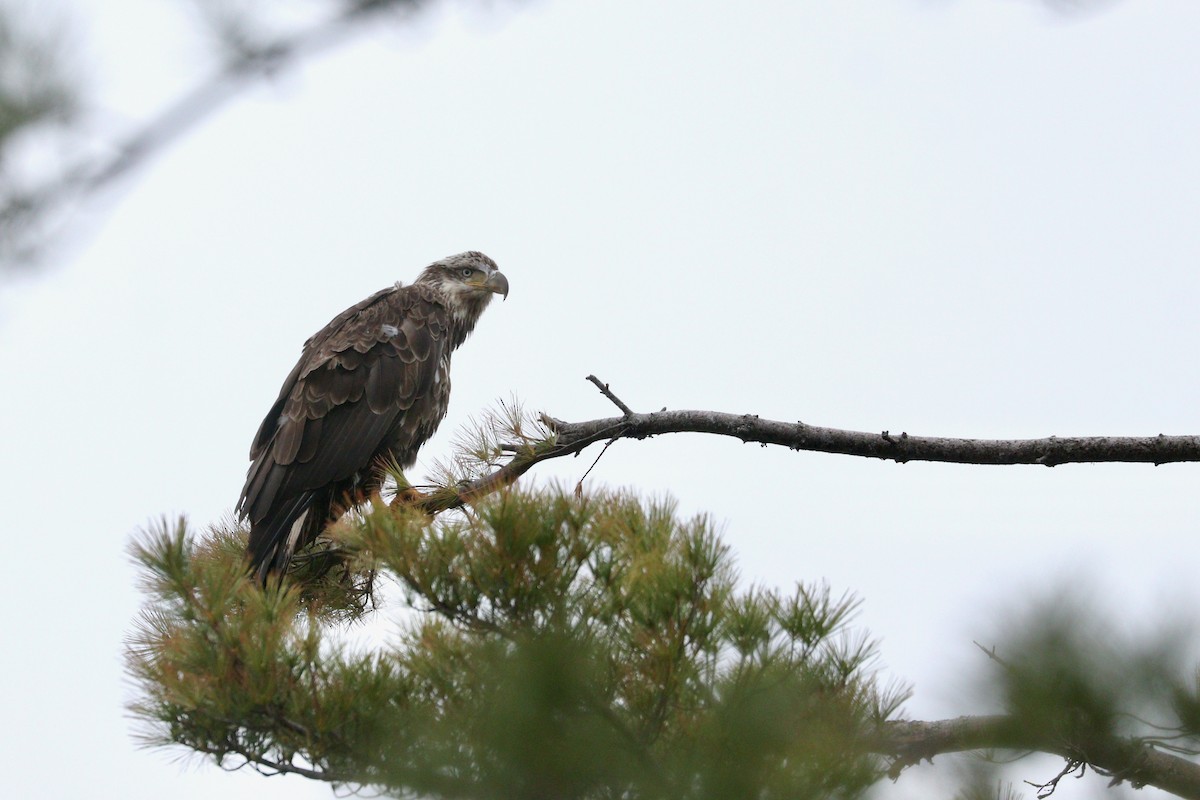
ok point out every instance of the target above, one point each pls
(371, 386)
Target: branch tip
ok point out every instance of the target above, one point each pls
(603, 387)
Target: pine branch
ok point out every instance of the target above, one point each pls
(268, 766)
(909, 742)
(78, 182)
(901, 448)
(659, 604)
(526, 457)
(570, 438)
(252, 63)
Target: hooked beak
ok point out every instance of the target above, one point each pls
(498, 283)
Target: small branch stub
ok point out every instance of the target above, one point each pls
(603, 387)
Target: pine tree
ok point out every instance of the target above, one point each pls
(551, 643)
(556, 646)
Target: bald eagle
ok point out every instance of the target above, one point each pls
(370, 387)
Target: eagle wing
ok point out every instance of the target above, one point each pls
(342, 406)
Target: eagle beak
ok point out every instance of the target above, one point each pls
(498, 283)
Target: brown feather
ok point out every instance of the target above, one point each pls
(312, 438)
(372, 384)
(288, 438)
(382, 379)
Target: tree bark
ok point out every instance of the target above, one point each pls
(900, 447)
(569, 438)
(1138, 762)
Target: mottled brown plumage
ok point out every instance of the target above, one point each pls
(371, 386)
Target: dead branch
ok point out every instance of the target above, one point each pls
(76, 183)
(569, 438)
(1048, 452)
(604, 390)
(901, 448)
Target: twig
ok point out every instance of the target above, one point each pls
(451, 497)
(579, 485)
(88, 177)
(991, 654)
(1072, 767)
(603, 387)
(257, 760)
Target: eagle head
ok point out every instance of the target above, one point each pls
(468, 281)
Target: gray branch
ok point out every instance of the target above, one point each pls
(570, 438)
(28, 217)
(900, 447)
(1121, 759)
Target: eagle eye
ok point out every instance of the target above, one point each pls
(466, 272)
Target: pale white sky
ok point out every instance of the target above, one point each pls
(971, 218)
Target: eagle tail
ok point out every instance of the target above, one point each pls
(285, 531)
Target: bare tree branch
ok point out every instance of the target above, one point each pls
(250, 64)
(1050, 451)
(569, 438)
(21, 210)
(604, 390)
(909, 742)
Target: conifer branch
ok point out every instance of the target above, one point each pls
(526, 456)
(570, 438)
(901, 448)
(250, 61)
(658, 605)
(1122, 759)
(604, 390)
(267, 766)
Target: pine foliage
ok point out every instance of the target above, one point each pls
(546, 645)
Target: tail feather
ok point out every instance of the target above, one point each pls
(288, 529)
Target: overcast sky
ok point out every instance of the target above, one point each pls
(971, 218)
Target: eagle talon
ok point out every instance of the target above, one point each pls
(407, 497)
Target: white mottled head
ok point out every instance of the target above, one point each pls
(468, 281)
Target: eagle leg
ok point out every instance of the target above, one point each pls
(405, 493)
(407, 497)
